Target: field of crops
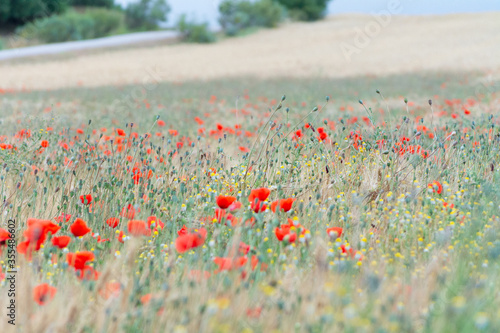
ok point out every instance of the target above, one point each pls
(357, 205)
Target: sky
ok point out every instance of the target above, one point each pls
(207, 10)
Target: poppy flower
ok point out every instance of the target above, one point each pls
(436, 187)
(4, 237)
(120, 236)
(219, 214)
(244, 248)
(61, 241)
(283, 234)
(35, 235)
(235, 206)
(189, 241)
(261, 193)
(86, 199)
(289, 232)
(63, 218)
(161, 123)
(244, 149)
(183, 231)
(128, 212)
(351, 252)
(138, 228)
(120, 132)
(146, 299)
(79, 228)
(113, 222)
(78, 260)
(284, 204)
(258, 206)
(156, 221)
(254, 312)
(87, 273)
(225, 201)
(44, 293)
(44, 143)
(228, 264)
(334, 232)
(111, 289)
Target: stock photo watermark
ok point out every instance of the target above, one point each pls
(364, 36)
(11, 271)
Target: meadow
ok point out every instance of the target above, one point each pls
(365, 204)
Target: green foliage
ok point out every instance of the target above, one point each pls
(19, 12)
(105, 21)
(195, 32)
(146, 14)
(92, 3)
(93, 23)
(236, 15)
(305, 10)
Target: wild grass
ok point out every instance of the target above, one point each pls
(419, 250)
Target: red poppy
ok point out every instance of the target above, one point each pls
(35, 235)
(61, 241)
(44, 143)
(4, 237)
(146, 298)
(225, 201)
(79, 228)
(183, 231)
(258, 206)
(120, 236)
(44, 293)
(283, 234)
(436, 187)
(235, 206)
(111, 289)
(86, 199)
(219, 214)
(227, 263)
(113, 222)
(284, 204)
(87, 273)
(120, 132)
(334, 232)
(78, 260)
(63, 218)
(351, 252)
(157, 222)
(161, 123)
(244, 149)
(260, 193)
(244, 248)
(189, 241)
(138, 228)
(289, 232)
(128, 212)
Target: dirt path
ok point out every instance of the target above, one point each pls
(405, 45)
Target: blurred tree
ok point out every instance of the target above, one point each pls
(237, 15)
(146, 14)
(305, 10)
(20, 12)
(93, 3)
